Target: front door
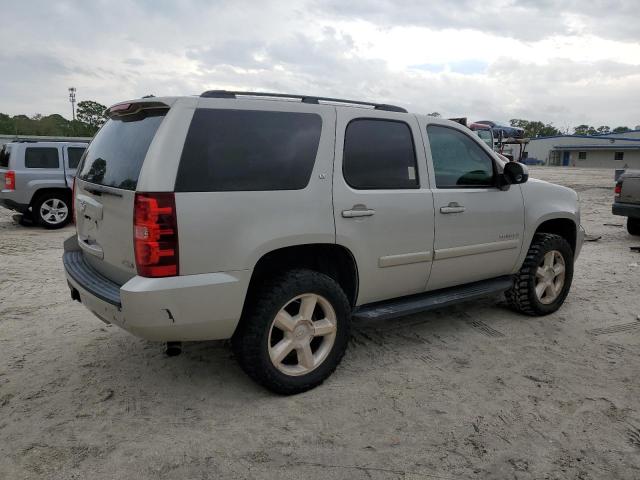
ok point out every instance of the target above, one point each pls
(383, 207)
(478, 227)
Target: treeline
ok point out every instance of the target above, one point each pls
(89, 119)
(533, 129)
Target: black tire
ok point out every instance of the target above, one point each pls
(633, 225)
(51, 222)
(522, 296)
(250, 342)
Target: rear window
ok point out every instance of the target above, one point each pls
(75, 154)
(41, 157)
(248, 150)
(379, 154)
(115, 156)
(5, 154)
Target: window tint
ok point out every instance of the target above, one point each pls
(75, 154)
(458, 161)
(379, 154)
(5, 154)
(248, 150)
(41, 157)
(115, 156)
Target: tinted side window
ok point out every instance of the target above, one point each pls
(248, 150)
(458, 161)
(41, 157)
(5, 154)
(75, 154)
(379, 154)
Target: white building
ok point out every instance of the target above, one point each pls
(615, 150)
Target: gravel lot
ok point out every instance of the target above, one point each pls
(473, 391)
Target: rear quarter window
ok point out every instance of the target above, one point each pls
(5, 155)
(41, 157)
(75, 154)
(248, 150)
(115, 156)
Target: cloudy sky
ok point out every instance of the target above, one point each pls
(561, 61)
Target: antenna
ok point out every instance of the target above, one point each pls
(72, 99)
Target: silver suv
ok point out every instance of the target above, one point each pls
(273, 220)
(36, 179)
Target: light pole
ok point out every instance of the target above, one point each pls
(72, 99)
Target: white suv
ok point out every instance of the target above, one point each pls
(274, 219)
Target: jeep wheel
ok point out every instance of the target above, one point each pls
(52, 210)
(633, 225)
(294, 333)
(544, 280)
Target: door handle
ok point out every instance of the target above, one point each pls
(358, 211)
(453, 207)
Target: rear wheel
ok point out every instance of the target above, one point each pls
(633, 225)
(52, 210)
(544, 280)
(295, 332)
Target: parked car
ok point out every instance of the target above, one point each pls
(627, 200)
(273, 223)
(37, 179)
(503, 131)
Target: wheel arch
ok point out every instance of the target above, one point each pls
(66, 191)
(335, 261)
(562, 226)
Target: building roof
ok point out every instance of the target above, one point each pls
(597, 147)
(599, 136)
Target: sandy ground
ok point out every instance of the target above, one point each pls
(474, 391)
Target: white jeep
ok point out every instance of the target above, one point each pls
(274, 219)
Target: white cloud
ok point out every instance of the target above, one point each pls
(563, 62)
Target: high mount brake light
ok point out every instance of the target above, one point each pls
(10, 180)
(155, 234)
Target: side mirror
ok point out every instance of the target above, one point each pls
(513, 174)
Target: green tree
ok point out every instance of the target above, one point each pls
(91, 113)
(603, 130)
(621, 130)
(433, 114)
(584, 130)
(533, 129)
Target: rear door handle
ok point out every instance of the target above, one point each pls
(358, 211)
(453, 207)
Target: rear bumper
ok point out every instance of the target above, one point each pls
(189, 307)
(13, 205)
(626, 209)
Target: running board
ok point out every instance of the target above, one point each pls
(399, 307)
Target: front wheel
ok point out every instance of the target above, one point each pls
(294, 333)
(633, 225)
(542, 284)
(52, 210)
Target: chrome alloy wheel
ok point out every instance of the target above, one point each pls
(302, 334)
(54, 211)
(550, 277)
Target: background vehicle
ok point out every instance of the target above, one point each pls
(238, 215)
(627, 200)
(37, 178)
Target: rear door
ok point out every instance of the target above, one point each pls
(383, 207)
(105, 191)
(478, 227)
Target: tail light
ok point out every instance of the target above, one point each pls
(73, 201)
(618, 190)
(155, 234)
(10, 180)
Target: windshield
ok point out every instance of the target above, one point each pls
(115, 156)
(486, 137)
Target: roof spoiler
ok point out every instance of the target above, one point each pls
(133, 107)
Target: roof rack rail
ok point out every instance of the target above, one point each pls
(302, 98)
